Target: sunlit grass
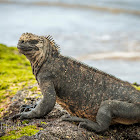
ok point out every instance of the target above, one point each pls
(15, 72)
(20, 131)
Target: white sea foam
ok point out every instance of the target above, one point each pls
(111, 55)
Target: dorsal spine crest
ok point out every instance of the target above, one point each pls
(51, 40)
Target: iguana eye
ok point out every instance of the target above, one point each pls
(33, 41)
(22, 41)
(41, 41)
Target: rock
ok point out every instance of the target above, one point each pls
(52, 128)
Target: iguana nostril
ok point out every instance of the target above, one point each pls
(22, 41)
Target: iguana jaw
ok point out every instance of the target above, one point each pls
(26, 47)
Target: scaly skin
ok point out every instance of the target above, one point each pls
(96, 98)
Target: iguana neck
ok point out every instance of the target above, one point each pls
(37, 64)
(39, 59)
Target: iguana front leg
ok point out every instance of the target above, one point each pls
(44, 106)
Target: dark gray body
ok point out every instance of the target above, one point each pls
(86, 93)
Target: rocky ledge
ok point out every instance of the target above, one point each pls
(51, 127)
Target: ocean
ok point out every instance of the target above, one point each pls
(101, 33)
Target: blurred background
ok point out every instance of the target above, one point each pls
(101, 33)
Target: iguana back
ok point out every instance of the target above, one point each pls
(81, 89)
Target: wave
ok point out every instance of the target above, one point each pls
(111, 55)
(69, 5)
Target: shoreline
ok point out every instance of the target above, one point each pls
(79, 6)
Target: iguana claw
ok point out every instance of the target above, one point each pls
(26, 108)
(15, 117)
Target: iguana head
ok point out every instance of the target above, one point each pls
(29, 43)
(33, 46)
(37, 49)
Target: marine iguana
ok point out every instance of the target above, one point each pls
(94, 98)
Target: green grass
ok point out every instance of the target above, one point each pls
(15, 72)
(137, 87)
(20, 131)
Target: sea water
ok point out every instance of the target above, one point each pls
(101, 33)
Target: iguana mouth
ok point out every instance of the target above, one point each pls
(24, 48)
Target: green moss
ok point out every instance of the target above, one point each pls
(25, 122)
(43, 123)
(34, 89)
(15, 72)
(20, 131)
(137, 87)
